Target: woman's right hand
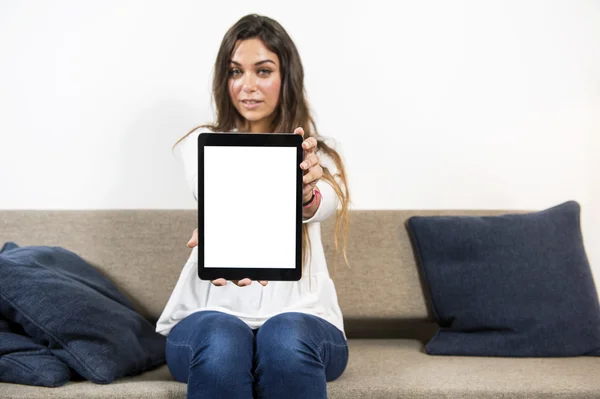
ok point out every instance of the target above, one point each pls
(221, 281)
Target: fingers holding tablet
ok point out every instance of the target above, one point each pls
(299, 131)
(220, 282)
(193, 242)
(246, 281)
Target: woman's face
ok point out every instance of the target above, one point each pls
(254, 83)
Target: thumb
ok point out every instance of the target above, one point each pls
(299, 131)
(194, 240)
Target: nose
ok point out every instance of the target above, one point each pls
(249, 83)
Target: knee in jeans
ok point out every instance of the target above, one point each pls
(280, 344)
(221, 346)
(283, 327)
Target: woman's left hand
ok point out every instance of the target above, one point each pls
(311, 166)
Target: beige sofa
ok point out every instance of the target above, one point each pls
(386, 312)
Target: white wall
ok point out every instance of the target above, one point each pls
(434, 104)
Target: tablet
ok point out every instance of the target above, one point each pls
(250, 206)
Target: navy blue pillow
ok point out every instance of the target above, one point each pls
(511, 285)
(66, 305)
(23, 361)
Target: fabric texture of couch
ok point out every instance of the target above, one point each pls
(388, 321)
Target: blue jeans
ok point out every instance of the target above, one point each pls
(291, 356)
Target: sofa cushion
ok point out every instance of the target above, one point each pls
(24, 361)
(386, 369)
(65, 304)
(510, 285)
(154, 384)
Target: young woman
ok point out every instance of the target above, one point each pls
(269, 339)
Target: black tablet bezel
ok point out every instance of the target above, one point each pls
(250, 140)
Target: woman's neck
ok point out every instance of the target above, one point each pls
(256, 127)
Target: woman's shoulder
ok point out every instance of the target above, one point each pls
(197, 132)
(192, 136)
(186, 148)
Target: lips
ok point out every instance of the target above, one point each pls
(251, 104)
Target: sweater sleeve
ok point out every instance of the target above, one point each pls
(329, 199)
(188, 154)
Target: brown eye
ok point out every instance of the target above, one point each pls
(234, 72)
(265, 72)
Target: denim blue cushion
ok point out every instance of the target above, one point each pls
(65, 304)
(24, 361)
(516, 285)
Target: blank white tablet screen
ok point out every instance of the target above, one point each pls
(250, 207)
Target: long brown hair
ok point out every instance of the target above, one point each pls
(292, 110)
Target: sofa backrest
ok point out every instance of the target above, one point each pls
(381, 294)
